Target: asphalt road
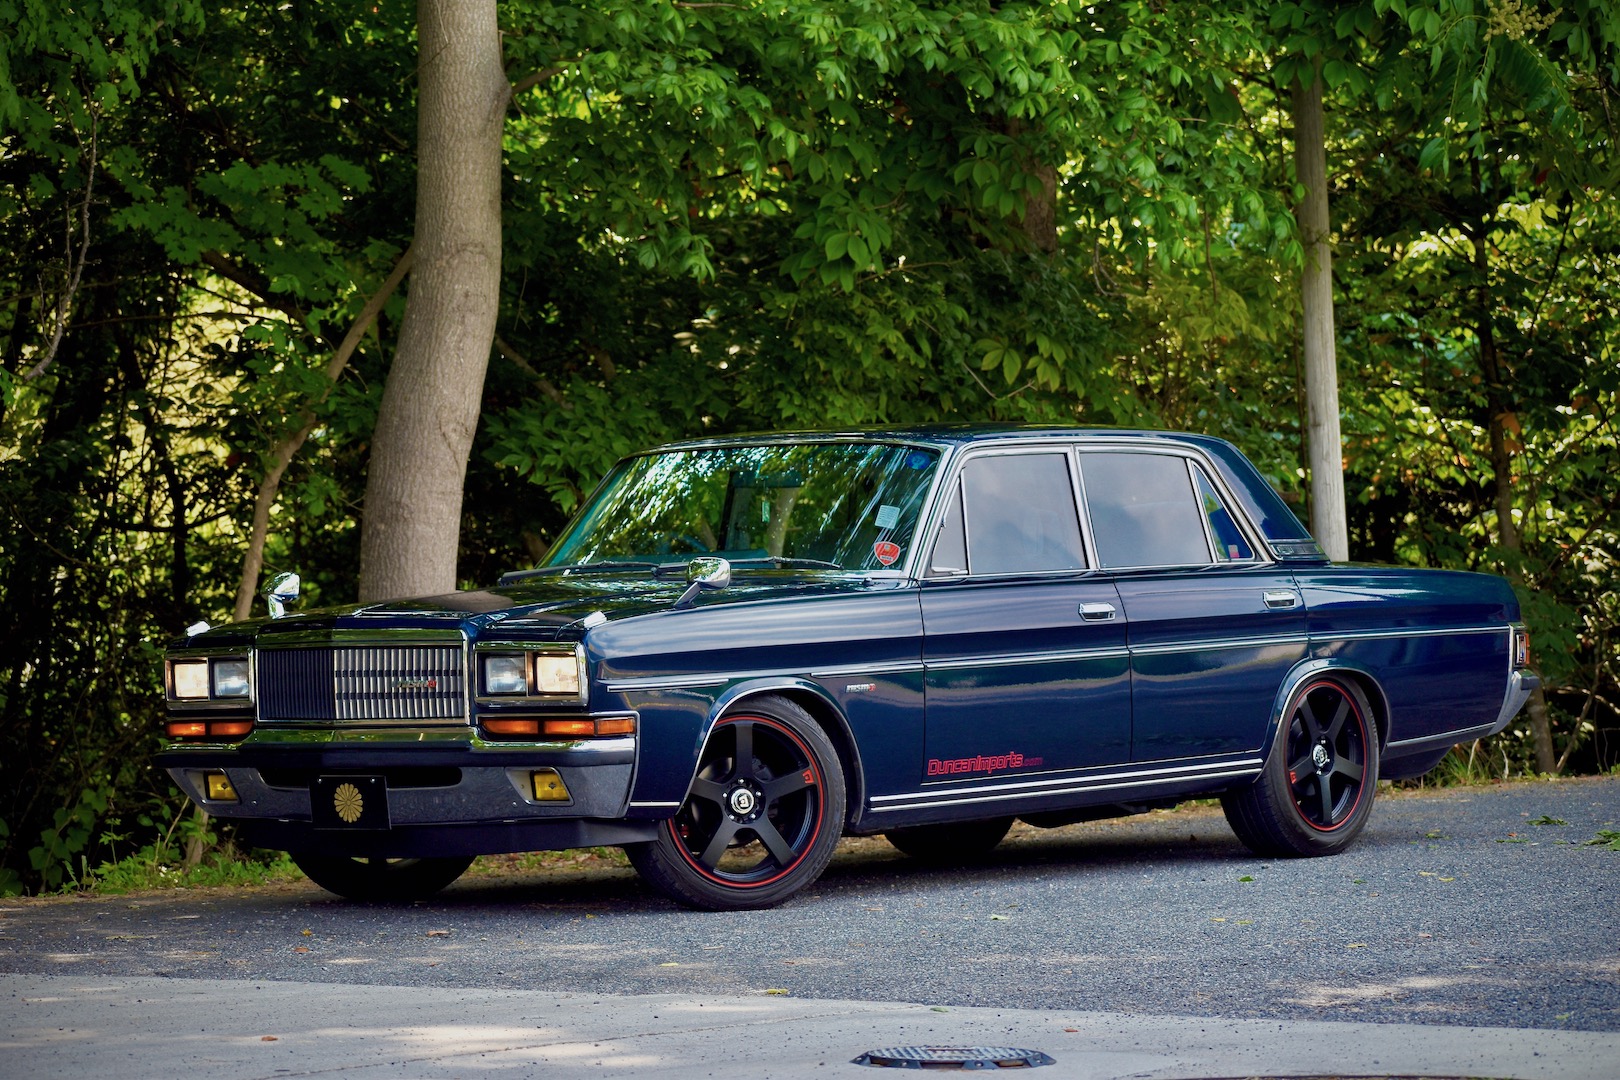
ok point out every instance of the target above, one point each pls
(1482, 907)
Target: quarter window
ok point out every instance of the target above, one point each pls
(1227, 538)
(1012, 514)
(1143, 510)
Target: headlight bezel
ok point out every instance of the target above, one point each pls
(208, 678)
(553, 672)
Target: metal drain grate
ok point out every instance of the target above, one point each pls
(953, 1057)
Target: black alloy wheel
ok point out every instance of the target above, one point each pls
(1316, 791)
(1327, 756)
(761, 819)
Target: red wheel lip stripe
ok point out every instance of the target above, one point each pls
(1361, 790)
(821, 815)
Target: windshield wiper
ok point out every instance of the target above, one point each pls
(781, 562)
(512, 576)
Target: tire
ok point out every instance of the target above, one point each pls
(762, 817)
(952, 843)
(1316, 790)
(381, 879)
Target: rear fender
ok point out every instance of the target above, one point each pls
(1310, 669)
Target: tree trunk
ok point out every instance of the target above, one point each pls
(1316, 296)
(1507, 530)
(429, 412)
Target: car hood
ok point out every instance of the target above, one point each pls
(540, 608)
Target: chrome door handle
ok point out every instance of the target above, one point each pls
(1097, 612)
(1280, 598)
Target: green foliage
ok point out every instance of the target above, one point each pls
(767, 214)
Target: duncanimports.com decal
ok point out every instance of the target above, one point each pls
(981, 764)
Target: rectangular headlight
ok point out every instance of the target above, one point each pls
(231, 678)
(504, 674)
(188, 679)
(556, 674)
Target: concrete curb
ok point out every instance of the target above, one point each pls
(60, 1026)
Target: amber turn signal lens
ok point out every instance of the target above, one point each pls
(570, 727)
(512, 727)
(186, 729)
(231, 728)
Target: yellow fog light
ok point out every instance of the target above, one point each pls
(549, 786)
(219, 788)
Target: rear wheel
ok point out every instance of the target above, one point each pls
(951, 843)
(381, 879)
(762, 818)
(1316, 791)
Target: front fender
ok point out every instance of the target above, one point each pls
(814, 699)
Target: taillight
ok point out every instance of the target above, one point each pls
(1521, 648)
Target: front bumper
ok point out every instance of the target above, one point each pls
(451, 795)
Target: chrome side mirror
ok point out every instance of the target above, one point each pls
(281, 591)
(704, 575)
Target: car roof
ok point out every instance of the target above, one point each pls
(944, 435)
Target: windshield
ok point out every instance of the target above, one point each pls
(850, 506)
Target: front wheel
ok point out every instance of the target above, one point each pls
(1316, 790)
(762, 818)
(381, 879)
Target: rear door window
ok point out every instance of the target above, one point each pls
(1143, 510)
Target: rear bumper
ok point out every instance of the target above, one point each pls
(1521, 684)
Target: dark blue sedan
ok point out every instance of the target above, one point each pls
(744, 648)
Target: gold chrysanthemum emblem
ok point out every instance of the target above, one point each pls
(346, 800)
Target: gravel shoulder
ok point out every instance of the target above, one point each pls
(1468, 906)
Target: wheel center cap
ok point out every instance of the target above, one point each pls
(742, 801)
(1320, 756)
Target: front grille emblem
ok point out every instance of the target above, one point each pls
(422, 683)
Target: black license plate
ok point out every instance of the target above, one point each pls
(349, 802)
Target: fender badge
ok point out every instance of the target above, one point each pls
(887, 551)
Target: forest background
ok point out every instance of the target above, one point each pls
(750, 215)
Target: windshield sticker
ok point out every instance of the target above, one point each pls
(919, 459)
(887, 551)
(888, 516)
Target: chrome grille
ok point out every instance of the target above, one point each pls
(363, 683)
